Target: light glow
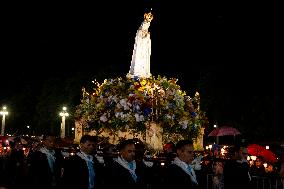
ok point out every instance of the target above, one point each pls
(4, 111)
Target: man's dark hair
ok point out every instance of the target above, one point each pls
(15, 141)
(86, 138)
(124, 143)
(45, 136)
(238, 147)
(261, 158)
(180, 144)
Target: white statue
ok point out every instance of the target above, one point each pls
(140, 63)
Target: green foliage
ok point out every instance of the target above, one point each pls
(127, 103)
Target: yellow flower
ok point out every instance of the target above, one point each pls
(143, 82)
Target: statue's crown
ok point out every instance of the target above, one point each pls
(148, 16)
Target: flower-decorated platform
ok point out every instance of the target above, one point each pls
(156, 105)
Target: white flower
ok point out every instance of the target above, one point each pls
(103, 118)
(170, 117)
(118, 114)
(183, 123)
(129, 105)
(139, 117)
(124, 104)
(137, 108)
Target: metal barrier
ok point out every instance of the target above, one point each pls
(209, 179)
(257, 182)
(267, 182)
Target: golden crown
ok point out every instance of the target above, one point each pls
(148, 16)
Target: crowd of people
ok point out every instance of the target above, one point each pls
(126, 165)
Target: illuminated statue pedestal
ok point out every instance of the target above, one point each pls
(114, 138)
(153, 139)
(154, 136)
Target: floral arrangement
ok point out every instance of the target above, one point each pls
(129, 103)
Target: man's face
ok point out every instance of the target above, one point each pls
(258, 162)
(128, 152)
(186, 154)
(18, 146)
(49, 142)
(88, 147)
(244, 153)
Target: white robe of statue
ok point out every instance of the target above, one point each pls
(140, 63)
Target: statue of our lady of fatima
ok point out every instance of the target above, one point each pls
(140, 63)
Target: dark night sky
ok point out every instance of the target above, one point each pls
(231, 38)
(238, 45)
(192, 33)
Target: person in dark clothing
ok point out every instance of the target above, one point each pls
(83, 170)
(258, 168)
(45, 165)
(16, 166)
(125, 172)
(206, 169)
(180, 174)
(236, 170)
(109, 152)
